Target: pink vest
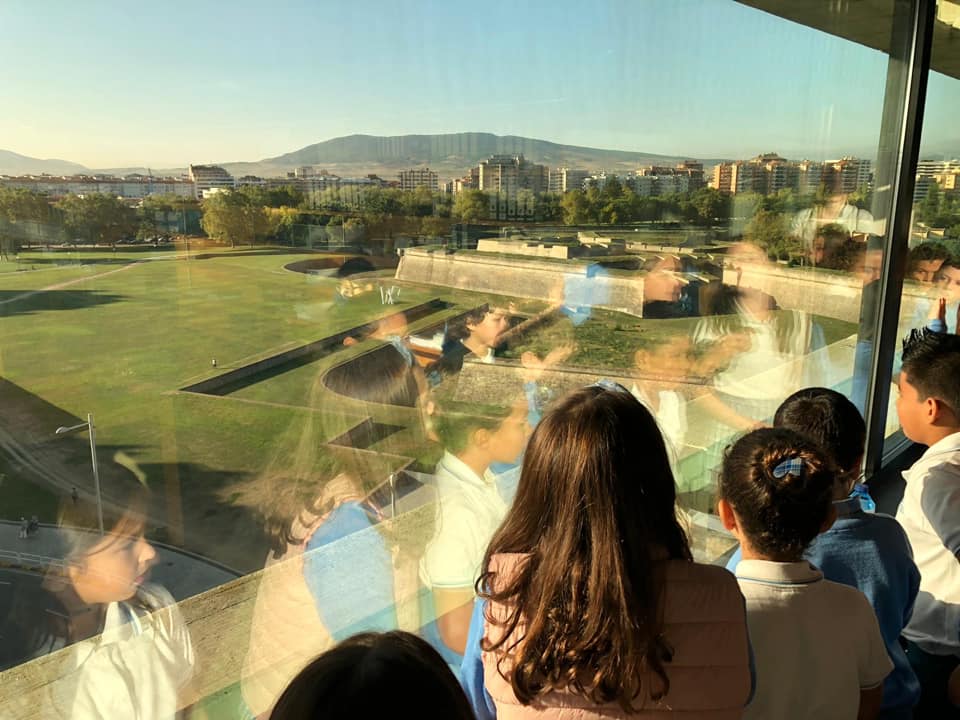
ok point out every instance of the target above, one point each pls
(704, 622)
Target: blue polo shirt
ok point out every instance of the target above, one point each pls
(870, 551)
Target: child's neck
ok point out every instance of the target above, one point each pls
(936, 433)
(475, 459)
(476, 347)
(747, 552)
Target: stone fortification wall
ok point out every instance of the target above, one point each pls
(521, 278)
(820, 292)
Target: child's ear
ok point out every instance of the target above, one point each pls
(480, 437)
(727, 518)
(936, 411)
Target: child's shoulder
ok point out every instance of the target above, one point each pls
(880, 531)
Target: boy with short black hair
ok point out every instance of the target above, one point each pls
(865, 550)
(929, 410)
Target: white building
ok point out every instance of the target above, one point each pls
(208, 177)
(418, 177)
(130, 186)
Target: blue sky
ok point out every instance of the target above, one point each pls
(116, 84)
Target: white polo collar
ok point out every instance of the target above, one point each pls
(457, 468)
(943, 446)
(769, 572)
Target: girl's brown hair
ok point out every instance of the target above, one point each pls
(595, 516)
(779, 507)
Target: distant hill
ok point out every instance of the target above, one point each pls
(450, 154)
(12, 163)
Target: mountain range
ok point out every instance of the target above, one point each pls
(450, 154)
(12, 163)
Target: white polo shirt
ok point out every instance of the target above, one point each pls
(930, 514)
(816, 644)
(469, 510)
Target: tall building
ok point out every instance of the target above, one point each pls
(564, 179)
(304, 172)
(809, 176)
(208, 177)
(942, 172)
(848, 174)
(510, 173)
(738, 177)
(418, 177)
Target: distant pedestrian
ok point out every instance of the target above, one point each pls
(33, 525)
(23, 528)
(74, 495)
(213, 362)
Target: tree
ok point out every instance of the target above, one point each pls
(97, 217)
(232, 216)
(153, 206)
(768, 229)
(470, 206)
(575, 208)
(18, 209)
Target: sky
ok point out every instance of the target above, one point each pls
(110, 84)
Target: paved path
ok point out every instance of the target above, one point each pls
(68, 283)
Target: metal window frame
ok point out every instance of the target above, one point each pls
(915, 19)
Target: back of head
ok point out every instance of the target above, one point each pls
(931, 362)
(780, 485)
(830, 420)
(374, 675)
(594, 513)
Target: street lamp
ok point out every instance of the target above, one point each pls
(91, 428)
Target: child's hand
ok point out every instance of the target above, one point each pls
(938, 310)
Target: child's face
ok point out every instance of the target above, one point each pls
(911, 409)
(510, 438)
(113, 569)
(948, 278)
(488, 331)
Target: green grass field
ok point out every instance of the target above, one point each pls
(118, 334)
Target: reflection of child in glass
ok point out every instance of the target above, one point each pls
(132, 652)
(469, 505)
(475, 334)
(330, 572)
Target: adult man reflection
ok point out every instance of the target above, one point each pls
(131, 651)
(759, 348)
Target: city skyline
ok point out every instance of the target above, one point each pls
(169, 86)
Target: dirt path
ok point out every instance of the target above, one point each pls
(68, 283)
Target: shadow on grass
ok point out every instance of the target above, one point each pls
(26, 302)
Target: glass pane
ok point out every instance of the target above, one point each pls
(931, 289)
(254, 406)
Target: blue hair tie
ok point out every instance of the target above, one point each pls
(610, 386)
(791, 466)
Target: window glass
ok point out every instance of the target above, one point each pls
(276, 328)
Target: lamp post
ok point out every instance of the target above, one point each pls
(91, 429)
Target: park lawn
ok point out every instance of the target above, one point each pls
(121, 344)
(154, 328)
